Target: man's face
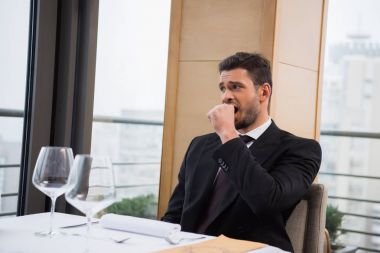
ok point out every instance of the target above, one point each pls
(238, 89)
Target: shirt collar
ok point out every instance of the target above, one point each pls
(258, 131)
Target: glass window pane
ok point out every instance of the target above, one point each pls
(14, 31)
(351, 69)
(130, 83)
(351, 98)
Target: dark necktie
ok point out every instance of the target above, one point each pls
(246, 138)
(221, 186)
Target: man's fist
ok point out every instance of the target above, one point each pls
(222, 118)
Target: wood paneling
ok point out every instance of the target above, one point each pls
(296, 65)
(299, 32)
(170, 107)
(214, 29)
(320, 72)
(298, 94)
(197, 94)
(267, 31)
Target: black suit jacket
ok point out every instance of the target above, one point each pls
(267, 181)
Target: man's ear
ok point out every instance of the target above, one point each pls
(265, 92)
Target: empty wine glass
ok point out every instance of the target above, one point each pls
(91, 186)
(50, 176)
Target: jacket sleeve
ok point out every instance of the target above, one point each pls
(275, 189)
(174, 212)
(175, 207)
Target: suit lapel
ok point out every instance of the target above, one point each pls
(266, 144)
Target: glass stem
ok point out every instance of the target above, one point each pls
(88, 217)
(53, 199)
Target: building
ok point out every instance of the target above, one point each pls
(351, 99)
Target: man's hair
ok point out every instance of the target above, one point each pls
(257, 66)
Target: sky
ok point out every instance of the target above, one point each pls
(14, 28)
(132, 52)
(349, 16)
(133, 39)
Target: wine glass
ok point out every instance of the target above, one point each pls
(50, 176)
(91, 186)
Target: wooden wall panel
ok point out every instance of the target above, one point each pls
(267, 31)
(299, 32)
(296, 65)
(170, 107)
(214, 29)
(197, 94)
(298, 89)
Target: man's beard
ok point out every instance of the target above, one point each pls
(249, 117)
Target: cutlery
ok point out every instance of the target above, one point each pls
(118, 240)
(78, 225)
(175, 239)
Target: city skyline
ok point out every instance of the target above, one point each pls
(350, 101)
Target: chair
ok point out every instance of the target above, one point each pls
(327, 243)
(306, 224)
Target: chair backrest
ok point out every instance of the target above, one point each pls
(306, 224)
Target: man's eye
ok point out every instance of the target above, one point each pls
(235, 87)
(222, 89)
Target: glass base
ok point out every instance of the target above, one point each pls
(49, 233)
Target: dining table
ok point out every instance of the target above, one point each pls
(18, 235)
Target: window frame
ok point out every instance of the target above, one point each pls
(60, 88)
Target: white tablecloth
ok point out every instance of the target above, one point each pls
(17, 236)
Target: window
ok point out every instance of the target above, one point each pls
(14, 32)
(129, 99)
(350, 126)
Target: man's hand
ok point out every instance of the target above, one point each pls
(222, 118)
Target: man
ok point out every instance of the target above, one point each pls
(243, 189)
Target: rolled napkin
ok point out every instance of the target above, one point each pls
(139, 225)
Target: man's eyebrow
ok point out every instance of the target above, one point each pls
(221, 84)
(236, 82)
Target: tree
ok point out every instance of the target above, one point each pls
(144, 206)
(334, 220)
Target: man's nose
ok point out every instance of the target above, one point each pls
(227, 97)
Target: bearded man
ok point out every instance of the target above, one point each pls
(245, 179)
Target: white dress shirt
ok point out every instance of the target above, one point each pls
(255, 133)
